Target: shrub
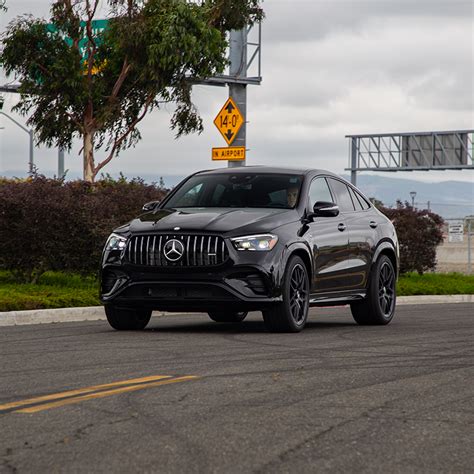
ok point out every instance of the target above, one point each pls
(48, 224)
(419, 233)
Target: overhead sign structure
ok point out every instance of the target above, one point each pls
(231, 153)
(229, 121)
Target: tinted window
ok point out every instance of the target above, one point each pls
(319, 191)
(343, 197)
(238, 190)
(355, 200)
(362, 200)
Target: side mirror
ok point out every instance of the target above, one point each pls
(324, 209)
(150, 206)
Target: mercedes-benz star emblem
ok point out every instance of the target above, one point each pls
(173, 250)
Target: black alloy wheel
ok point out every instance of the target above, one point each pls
(291, 314)
(227, 316)
(386, 289)
(298, 293)
(378, 307)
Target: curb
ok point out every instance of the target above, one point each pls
(59, 315)
(96, 313)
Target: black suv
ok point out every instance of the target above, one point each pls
(234, 240)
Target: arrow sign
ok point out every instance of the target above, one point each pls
(229, 121)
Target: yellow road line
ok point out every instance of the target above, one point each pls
(107, 393)
(80, 391)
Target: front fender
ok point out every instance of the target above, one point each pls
(300, 248)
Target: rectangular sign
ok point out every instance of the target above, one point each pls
(456, 227)
(231, 153)
(455, 238)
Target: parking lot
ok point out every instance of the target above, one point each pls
(191, 395)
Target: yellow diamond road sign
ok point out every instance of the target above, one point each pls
(229, 120)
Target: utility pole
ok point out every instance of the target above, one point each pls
(238, 91)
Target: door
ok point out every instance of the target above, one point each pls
(329, 242)
(362, 224)
(360, 234)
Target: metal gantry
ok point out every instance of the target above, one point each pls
(411, 151)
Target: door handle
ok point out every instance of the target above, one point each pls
(341, 227)
(373, 224)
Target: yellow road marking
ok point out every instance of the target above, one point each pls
(107, 393)
(80, 391)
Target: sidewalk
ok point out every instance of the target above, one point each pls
(96, 313)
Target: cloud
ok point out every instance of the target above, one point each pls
(330, 68)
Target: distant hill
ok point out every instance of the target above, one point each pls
(447, 198)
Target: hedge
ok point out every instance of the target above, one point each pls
(48, 224)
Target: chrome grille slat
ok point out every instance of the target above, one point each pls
(199, 250)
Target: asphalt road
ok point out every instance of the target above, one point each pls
(335, 398)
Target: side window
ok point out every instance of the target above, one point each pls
(363, 202)
(355, 200)
(319, 191)
(343, 198)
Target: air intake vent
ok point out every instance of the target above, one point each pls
(173, 250)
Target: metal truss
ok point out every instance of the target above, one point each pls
(413, 151)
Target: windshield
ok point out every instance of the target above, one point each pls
(238, 190)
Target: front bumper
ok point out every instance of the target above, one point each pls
(243, 287)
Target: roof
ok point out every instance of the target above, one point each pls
(264, 170)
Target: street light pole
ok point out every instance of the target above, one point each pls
(31, 135)
(413, 196)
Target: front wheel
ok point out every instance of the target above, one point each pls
(291, 314)
(378, 308)
(227, 316)
(127, 319)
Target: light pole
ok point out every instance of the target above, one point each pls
(29, 132)
(413, 196)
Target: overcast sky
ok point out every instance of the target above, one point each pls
(330, 68)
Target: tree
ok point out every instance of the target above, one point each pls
(98, 85)
(419, 234)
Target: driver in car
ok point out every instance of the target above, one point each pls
(292, 196)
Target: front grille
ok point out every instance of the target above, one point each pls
(197, 250)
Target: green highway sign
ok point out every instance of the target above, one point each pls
(98, 27)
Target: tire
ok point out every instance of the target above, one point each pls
(291, 314)
(227, 317)
(378, 307)
(127, 319)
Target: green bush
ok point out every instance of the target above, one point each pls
(47, 224)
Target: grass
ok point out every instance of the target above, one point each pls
(435, 284)
(59, 290)
(54, 290)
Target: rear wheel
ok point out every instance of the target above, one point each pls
(227, 316)
(378, 307)
(291, 314)
(127, 319)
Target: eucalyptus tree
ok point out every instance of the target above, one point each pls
(82, 77)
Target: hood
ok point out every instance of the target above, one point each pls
(221, 220)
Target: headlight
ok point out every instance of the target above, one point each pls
(116, 242)
(262, 243)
